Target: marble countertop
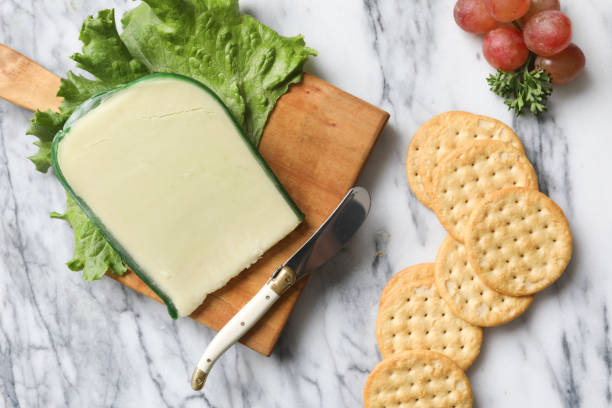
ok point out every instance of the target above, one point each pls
(66, 342)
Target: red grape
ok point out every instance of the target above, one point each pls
(505, 49)
(472, 16)
(540, 5)
(548, 32)
(507, 10)
(563, 67)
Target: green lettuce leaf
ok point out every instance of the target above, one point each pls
(104, 56)
(44, 126)
(107, 59)
(246, 63)
(92, 254)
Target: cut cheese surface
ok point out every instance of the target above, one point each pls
(173, 184)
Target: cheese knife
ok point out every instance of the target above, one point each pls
(335, 232)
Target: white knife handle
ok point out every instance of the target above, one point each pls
(242, 322)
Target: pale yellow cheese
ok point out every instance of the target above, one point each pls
(163, 167)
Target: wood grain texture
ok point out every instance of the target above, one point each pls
(25, 83)
(316, 141)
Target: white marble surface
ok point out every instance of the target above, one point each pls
(65, 342)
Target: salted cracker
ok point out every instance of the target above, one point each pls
(416, 318)
(417, 379)
(466, 294)
(518, 241)
(412, 159)
(465, 175)
(411, 273)
(454, 129)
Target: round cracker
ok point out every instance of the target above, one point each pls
(418, 319)
(467, 295)
(518, 241)
(465, 175)
(417, 378)
(411, 273)
(412, 160)
(454, 129)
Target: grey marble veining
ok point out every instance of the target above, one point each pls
(66, 342)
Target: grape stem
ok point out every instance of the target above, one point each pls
(530, 63)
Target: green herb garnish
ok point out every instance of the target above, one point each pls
(523, 89)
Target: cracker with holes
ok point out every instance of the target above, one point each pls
(454, 129)
(412, 159)
(412, 273)
(518, 241)
(417, 379)
(465, 175)
(466, 294)
(416, 318)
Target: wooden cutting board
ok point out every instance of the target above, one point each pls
(316, 141)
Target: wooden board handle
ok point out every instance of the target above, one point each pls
(25, 83)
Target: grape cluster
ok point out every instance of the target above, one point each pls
(519, 29)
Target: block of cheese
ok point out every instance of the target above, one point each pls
(167, 175)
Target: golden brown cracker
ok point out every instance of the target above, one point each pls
(412, 273)
(416, 318)
(518, 241)
(466, 174)
(412, 160)
(417, 379)
(454, 129)
(467, 295)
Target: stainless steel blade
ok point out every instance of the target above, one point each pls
(335, 232)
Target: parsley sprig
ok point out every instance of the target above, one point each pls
(525, 88)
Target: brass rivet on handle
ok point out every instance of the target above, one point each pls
(282, 280)
(198, 379)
